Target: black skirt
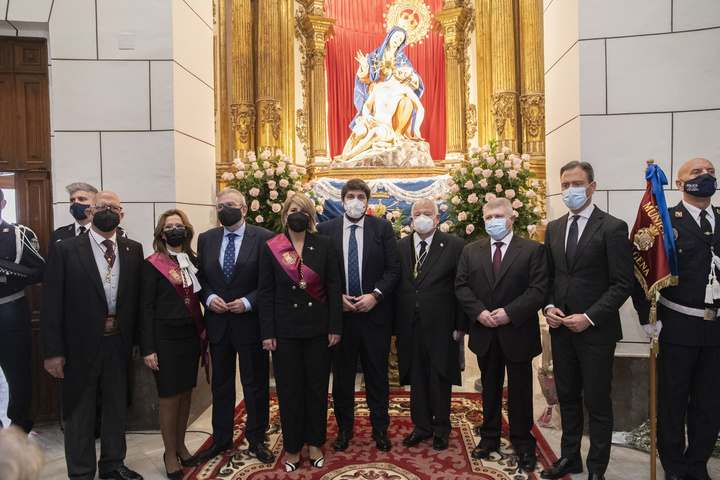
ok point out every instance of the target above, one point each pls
(178, 352)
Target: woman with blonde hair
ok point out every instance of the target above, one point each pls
(171, 332)
(300, 309)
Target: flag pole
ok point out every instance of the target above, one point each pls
(654, 347)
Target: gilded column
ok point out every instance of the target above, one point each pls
(532, 97)
(223, 129)
(268, 105)
(504, 85)
(287, 40)
(451, 24)
(483, 55)
(242, 109)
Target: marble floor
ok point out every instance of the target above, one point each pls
(145, 450)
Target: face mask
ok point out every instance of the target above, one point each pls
(703, 186)
(106, 221)
(77, 210)
(298, 222)
(574, 197)
(229, 216)
(175, 237)
(355, 208)
(496, 228)
(423, 224)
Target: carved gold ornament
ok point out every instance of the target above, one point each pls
(413, 16)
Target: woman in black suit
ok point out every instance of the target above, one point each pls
(170, 329)
(300, 309)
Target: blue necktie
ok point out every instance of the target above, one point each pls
(229, 258)
(353, 266)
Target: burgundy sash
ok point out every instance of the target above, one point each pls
(171, 271)
(289, 260)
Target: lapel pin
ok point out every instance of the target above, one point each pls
(127, 248)
(311, 248)
(442, 244)
(5, 230)
(678, 214)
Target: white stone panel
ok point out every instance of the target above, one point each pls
(202, 217)
(695, 14)
(32, 29)
(139, 223)
(622, 143)
(201, 8)
(674, 196)
(6, 29)
(695, 134)
(634, 341)
(150, 22)
(194, 171)
(661, 73)
(592, 77)
(194, 106)
(101, 95)
(624, 204)
(616, 18)
(193, 43)
(76, 158)
(562, 146)
(562, 91)
(561, 30)
(73, 30)
(161, 95)
(139, 166)
(3, 8)
(28, 10)
(61, 215)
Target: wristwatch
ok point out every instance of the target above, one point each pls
(378, 295)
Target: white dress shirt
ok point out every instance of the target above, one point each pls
(695, 212)
(346, 247)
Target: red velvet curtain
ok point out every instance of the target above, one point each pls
(359, 26)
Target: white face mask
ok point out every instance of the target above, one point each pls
(355, 208)
(423, 224)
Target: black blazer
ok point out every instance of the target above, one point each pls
(74, 307)
(288, 311)
(521, 289)
(245, 327)
(600, 278)
(433, 291)
(380, 262)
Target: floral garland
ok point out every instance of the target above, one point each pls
(267, 182)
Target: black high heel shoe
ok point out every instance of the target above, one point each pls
(178, 475)
(191, 461)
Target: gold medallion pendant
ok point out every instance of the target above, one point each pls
(175, 276)
(303, 284)
(187, 300)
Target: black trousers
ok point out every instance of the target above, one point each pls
(430, 392)
(255, 379)
(108, 370)
(520, 405)
(372, 343)
(584, 372)
(15, 351)
(688, 387)
(302, 375)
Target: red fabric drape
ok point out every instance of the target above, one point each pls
(359, 26)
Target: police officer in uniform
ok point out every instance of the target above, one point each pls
(688, 383)
(20, 265)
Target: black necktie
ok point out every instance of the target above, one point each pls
(82, 230)
(423, 253)
(705, 223)
(572, 240)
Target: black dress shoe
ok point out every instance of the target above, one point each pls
(596, 476)
(212, 451)
(191, 461)
(527, 461)
(482, 452)
(414, 439)
(262, 453)
(342, 441)
(673, 477)
(122, 473)
(382, 442)
(440, 444)
(560, 468)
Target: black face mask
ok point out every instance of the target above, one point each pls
(175, 237)
(702, 186)
(77, 210)
(106, 221)
(229, 216)
(298, 222)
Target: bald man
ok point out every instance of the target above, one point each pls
(689, 359)
(90, 305)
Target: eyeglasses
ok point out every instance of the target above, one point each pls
(227, 205)
(179, 228)
(101, 208)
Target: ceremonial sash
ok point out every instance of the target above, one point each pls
(171, 271)
(290, 261)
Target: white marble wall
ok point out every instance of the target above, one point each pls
(138, 121)
(625, 82)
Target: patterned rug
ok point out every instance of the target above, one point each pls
(362, 461)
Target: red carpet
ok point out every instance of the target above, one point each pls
(363, 462)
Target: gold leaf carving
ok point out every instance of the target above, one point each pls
(243, 120)
(532, 109)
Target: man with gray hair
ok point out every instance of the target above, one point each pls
(502, 283)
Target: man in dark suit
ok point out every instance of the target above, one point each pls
(229, 257)
(80, 196)
(20, 266)
(89, 309)
(688, 384)
(370, 268)
(502, 283)
(591, 276)
(429, 324)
